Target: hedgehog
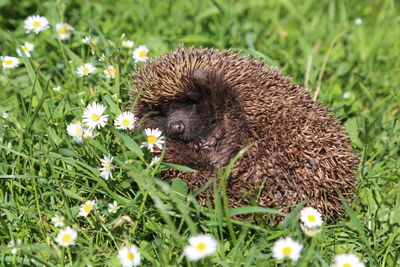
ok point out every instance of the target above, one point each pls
(211, 104)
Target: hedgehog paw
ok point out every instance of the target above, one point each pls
(209, 143)
(195, 145)
(203, 144)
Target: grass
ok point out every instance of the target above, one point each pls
(43, 172)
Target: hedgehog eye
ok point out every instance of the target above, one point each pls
(190, 104)
(192, 101)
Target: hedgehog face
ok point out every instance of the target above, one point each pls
(187, 120)
(194, 115)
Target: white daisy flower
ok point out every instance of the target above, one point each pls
(358, 21)
(4, 115)
(57, 88)
(154, 160)
(125, 120)
(347, 260)
(346, 95)
(9, 62)
(200, 246)
(88, 133)
(287, 248)
(93, 116)
(64, 31)
(153, 138)
(311, 232)
(67, 237)
(36, 24)
(89, 40)
(129, 256)
(58, 220)
(106, 168)
(311, 217)
(26, 48)
(110, 71)
(85, 69)
(113, 207)
(127, 44)
(86, 208)
(106, 162)
(76, 131)
(12, 245)
(140, 53)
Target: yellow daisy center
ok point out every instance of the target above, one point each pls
(142, 53)
(287, 251)
(311, 218)
(151, 139)
(284, 34)
(85, 70)
(106, 165)
(95, 117)
(66, 238)
(347, 265)
(126, 45)
(36, 24)
(130, 256)
(8, 62)
(87, 208)
(125, 122)
(201, 246)
(62, 30)
(25, 48)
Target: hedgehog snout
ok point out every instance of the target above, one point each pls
(176, 127)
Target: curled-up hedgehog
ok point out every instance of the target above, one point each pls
(210, 104)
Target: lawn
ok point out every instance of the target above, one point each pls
(346, 53)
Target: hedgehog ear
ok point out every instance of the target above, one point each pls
(199, 76)
(202, 81)
(208, 85)
(197, 85)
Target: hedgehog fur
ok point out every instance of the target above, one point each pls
(211, 104)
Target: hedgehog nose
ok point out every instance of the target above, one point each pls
(176, 127)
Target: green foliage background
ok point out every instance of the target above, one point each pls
(42, 172)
